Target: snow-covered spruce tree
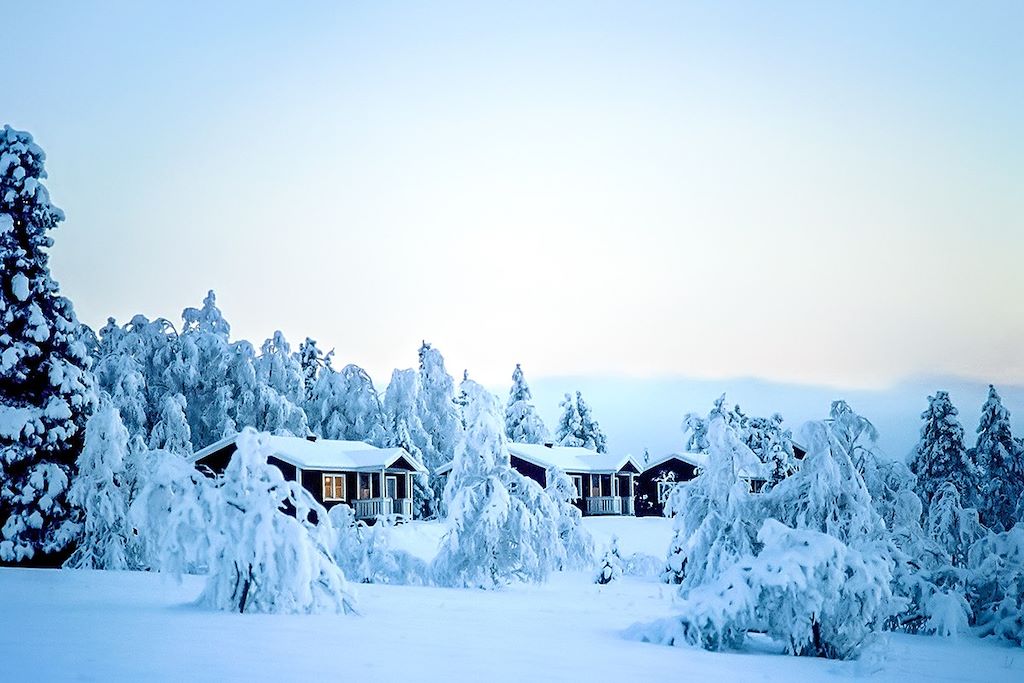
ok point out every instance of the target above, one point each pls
(493, 536)
(120, 374)
(404, 429)
(591, 433)
(570, 424)
(715, 522)
(435, 406)
(940, 456)
(99, 491)
(313, 361)
(1000, 464)
(46, 388)
(522, 422)
(576, 540)
(172, 432)
(610, 567)
(695, 433)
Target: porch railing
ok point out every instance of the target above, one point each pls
(604, 505)
(371, 508)
(368, 508)
(627, 505)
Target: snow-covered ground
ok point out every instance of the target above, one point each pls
(77, 625)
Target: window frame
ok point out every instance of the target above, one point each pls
(665, 491)
(577, 484)
(334, 479)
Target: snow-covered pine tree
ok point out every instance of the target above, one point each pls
(590, 433)
(522, 422)
(570, 424)
(610, 567)
(266, 560)
(773, 445)
(999, 462)
(99, 491)
(171, 432)
(313, 361)
(46, 388)
(576, 540)
(940, 456)
(120, 374)
(695, 433)
(404, 429)
(501, 526)
(435, 405)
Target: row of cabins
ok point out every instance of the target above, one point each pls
(379, 481)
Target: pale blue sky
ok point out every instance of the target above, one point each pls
(805, 192)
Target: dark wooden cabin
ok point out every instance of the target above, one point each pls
(655, 482)
(372, 481)
(604, 483)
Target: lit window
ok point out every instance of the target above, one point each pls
(334, 487)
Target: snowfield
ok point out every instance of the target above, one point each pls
(89, 625)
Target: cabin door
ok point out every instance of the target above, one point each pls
(391, 487)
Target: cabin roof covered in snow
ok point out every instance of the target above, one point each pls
(571, 458)
(751, 469)
(325, 454)
(565, 458)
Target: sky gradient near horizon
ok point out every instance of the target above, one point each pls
(825, 193)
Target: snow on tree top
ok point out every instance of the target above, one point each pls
(323, 453)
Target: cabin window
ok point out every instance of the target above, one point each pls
(664, 491)
(577, 484)
(334, 486)
(365, 487)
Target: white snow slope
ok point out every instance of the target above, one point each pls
(107, 626)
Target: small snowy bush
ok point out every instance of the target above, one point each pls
(365, 554)
(805, 589)
(610, 568)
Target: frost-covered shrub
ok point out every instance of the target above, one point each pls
(365, 553)
(100, 492)
(258, 558)
(610, 567)
(996, 566)
(264, 559)
(577, 543)
(501, 525)
(714, 517)
(805, 589)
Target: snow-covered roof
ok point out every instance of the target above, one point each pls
(565, 458)
(751, 469)
(326, 454)
(571, 458)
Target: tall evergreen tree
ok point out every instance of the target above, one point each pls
(998, 460)
(313, 361)
(46, 387)
(577, 427)
(522, 423)
(941, 456)
(435, 405)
